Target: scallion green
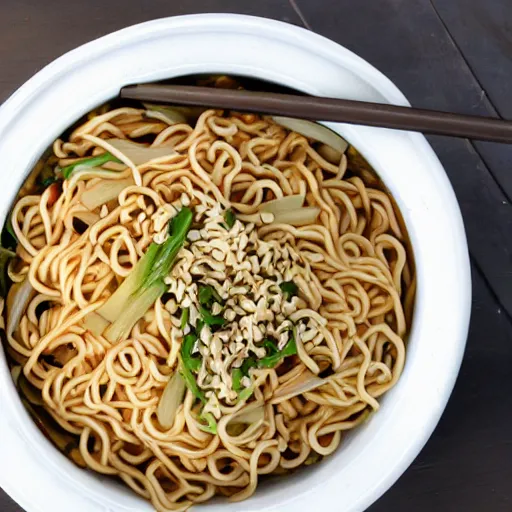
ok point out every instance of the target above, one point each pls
(92, 161)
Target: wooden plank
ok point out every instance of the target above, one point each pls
(467, 463)
(33, 33)
(482, 30)
(407, 41)
(498, 159)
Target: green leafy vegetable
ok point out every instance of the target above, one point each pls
(191, 362)
(270, 361)
(12, 239)
(144, 285)
(289, 289)
(5, 257)
(190, 365)
(211, 424)
(93, 161)
(49, 181)
(236, 377)
(245, 394)
(290, 349)
(166, 253)
(210, 319)
(249, 362)
(47, 176)
(230, 218)
(194, 364)
(243, 371)
(208, 295)
(184, 318)
(205, 295)
(270, 346)
(190, 382)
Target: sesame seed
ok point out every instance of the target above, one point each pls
(218, 255)
(194, 235)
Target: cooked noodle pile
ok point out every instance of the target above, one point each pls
(274, 330)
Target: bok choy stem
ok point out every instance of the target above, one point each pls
(145, 283)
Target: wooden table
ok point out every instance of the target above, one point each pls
(445, 54)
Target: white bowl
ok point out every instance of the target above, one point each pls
(371, 459)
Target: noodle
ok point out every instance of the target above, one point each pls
(328, 294)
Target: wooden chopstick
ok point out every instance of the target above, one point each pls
(327, 109)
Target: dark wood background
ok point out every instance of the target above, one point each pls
(444, 54)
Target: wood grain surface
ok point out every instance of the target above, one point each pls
(443, 54)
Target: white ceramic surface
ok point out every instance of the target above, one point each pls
(371, 459)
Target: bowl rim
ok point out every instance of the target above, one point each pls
(32, 93)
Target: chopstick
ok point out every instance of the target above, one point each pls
(327, 109)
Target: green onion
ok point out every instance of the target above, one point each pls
(211, 426)
(270, 361)
(191, 362)
(248, 363)
(189, 365)
(290, 349)
(89, 162)
(236, 377)
(210, 319)
(245, 394)
(243, 371)
(230, 218)
(167, 252)
(289, 289)
(190, 382)
(208, 295)
(270, 346)
(184, 318)
(204, 295)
